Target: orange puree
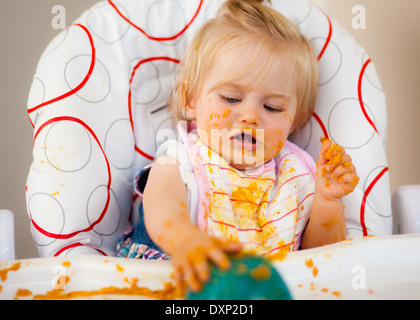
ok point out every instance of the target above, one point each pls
(226, 113)
(323, 139)
(281, 253)
(167, 293)
(336, 293)
(23, 293)
(66, 264)
(119, 268)
(261, 272)
(333, 157)
(330, 154)
(4, 272)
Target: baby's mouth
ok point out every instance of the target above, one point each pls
(245, 137)
(245, 140)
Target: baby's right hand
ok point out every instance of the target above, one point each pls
(192, 253)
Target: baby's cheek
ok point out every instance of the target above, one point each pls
(288, 117)
(277, 138)
(215, 120)
(274, 142)
(280, 146)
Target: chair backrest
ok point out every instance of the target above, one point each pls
(98, 106)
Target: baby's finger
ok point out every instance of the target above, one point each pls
(231, 246)
(350, 181)
(219, 258)
(201, 267)
(178, 276)
(338, 158)
(334, 156)
(190, 277)
(347, 158)
(326, 144)
(346, 167)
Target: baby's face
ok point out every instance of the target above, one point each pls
(245, 121)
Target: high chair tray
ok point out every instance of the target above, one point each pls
(382, 267)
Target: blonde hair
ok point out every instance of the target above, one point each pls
(248, 21)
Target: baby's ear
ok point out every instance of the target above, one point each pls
(188, 102)
(190, 109)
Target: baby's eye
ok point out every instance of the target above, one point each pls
(273, 109)
(231, 100)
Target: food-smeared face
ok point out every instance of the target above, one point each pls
(242, 114)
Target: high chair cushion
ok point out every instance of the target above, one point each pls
(406, 209)
(98, 106)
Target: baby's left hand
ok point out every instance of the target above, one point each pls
(335, 175)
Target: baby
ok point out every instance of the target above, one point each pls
(233, 181)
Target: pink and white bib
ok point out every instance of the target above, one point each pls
(266, 209)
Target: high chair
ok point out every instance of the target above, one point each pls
(98, 106)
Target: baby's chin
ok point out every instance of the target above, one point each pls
(247, 167)
(239, 158)
(247, 163)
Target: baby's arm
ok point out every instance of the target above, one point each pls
(335, 177)
(168, 224)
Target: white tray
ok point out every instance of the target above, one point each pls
(385, 267)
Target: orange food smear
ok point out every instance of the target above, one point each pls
(242, 268)
(23, 293)
(354, 181)
(330, 155)
(4, 272)
(315, 271)
(323, 139)
(330, 223)
(280, 255)
(309, 263)
(226, 113)
(169, 292)
(66, 264)
(261, 272)
(333, 157)
(119, 268)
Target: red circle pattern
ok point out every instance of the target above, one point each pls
(71, 235)
(130, 111)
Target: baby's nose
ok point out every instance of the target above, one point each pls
(249, 115)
